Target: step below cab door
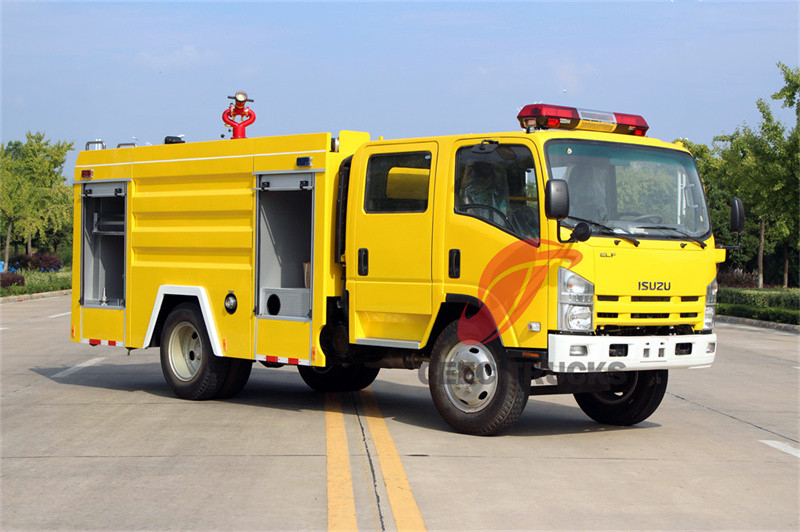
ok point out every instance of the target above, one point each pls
(389, 245)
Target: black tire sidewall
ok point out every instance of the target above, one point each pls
(238, 375)
(213, 369)
(644, 400)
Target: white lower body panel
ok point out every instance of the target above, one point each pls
(568, 353)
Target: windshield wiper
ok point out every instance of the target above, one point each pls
(608, 229)
(682, 233)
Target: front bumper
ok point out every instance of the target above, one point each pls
(571, 353)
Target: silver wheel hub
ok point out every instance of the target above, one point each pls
(185, 351)
(470, 377)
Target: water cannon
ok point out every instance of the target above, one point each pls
(238, 109)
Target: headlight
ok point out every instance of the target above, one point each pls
(575, 302)
(711, 303)
(708, 321)
(579, 318)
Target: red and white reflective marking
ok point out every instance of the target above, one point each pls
(283, 360)
(112, 343)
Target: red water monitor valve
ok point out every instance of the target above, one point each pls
(237, 109)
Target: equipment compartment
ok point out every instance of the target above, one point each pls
(285, 221)
(103, 249)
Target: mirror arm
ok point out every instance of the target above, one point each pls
(558, 234)
(738, 244)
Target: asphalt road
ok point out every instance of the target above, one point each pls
(93, 439)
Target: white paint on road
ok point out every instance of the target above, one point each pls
(785, 447)
(59, 315)
(73, 369)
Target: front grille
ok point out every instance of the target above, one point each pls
(608, 315)
(647, 330)
(688, 314)
(690, 299)
(650, 299)
(608, 298)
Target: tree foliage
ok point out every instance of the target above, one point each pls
(34, 200)
(761, 166)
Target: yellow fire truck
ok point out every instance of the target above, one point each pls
(572, 256)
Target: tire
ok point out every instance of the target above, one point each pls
(476, 388)
(629, 402)
(338, 378)
(189, 365)
(238, 375)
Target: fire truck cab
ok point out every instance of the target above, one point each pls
(573, 256)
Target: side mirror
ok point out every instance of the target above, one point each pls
(737, 223)
(556, 199)
(737, 216)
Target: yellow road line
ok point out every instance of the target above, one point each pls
(341, 503)
(404, 507)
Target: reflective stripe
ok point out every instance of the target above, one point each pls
(283, 360)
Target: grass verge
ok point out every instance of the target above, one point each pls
(36, 282)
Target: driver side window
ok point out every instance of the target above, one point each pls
(496, 183)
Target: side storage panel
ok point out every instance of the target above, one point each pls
(192, 225)
(103, 258)
(285, 263)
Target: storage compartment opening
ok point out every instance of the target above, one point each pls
(285, 244)
(103, 254)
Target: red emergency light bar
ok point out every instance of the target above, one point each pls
(543, 116)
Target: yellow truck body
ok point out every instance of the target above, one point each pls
(330, 248)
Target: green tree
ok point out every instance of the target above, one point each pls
(719, 197)
(761, 166)
(34, 199)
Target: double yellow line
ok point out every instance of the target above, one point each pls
(341, 502)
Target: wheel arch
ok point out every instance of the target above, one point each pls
(452, 309)
(170, 296)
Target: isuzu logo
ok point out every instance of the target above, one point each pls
(654, 285)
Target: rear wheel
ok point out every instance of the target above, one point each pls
(631, 400)
(338, 378)
(476, 388)
(187, 360)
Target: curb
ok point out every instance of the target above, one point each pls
(28, 297)
(733, 320)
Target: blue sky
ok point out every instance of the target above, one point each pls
(80, 71)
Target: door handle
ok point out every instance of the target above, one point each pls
(455, 263)
(363, 261)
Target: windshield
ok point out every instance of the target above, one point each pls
(496, 183)
(631, 189)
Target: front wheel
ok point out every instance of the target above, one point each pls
(476, 388)
(633, 397)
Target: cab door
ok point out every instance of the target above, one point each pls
(389, 245)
